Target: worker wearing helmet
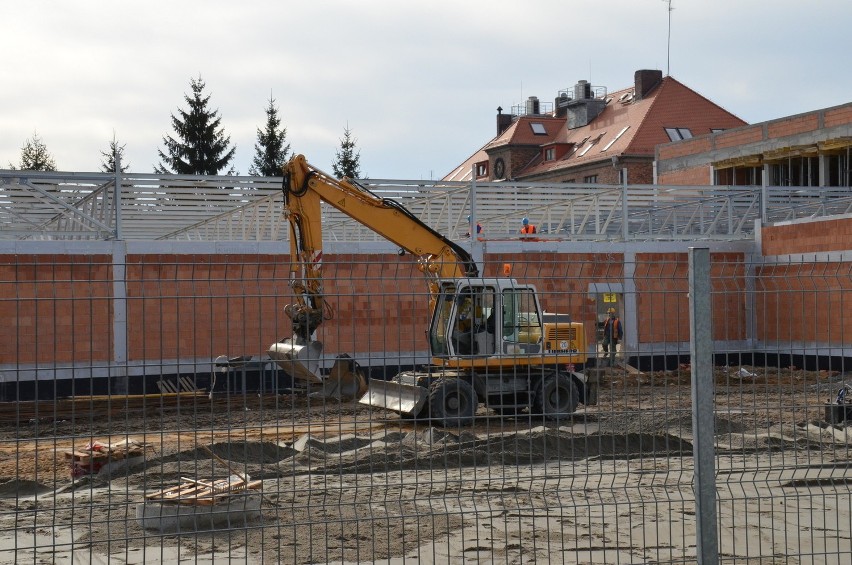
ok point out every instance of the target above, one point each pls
(612, 333)
(527, 229)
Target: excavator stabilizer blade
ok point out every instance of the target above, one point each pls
(402, 398)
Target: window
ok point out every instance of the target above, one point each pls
(716, 130)
(482, 169)
(795, 171)
(521, 321)
(614, 139)
(538, 128)
(591, 179)
(738, 176)
(549, 154)
(838, 170)
(676, 134)
(591, 144)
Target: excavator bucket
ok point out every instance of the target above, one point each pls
(300, 361)
(402, 398)
(344, 381)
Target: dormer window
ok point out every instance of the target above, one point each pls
(482, 169)
(677, 134)
(538, 128)
(550, 154)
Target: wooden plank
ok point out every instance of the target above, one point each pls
(245, 478)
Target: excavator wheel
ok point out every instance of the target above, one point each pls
(557, 397)
(452, 402)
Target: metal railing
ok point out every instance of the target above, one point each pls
(37, 205)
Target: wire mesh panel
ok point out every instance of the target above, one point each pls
(144, 419)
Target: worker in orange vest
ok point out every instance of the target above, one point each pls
(527, 229)
(612, 333)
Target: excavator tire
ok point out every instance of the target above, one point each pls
(452, 403)
(557, 397)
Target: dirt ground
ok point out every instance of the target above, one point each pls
(349, 483)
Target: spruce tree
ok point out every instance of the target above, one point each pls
(35, 156)
(348, 159)
(270, 151)
(201, 147)
(108, 162)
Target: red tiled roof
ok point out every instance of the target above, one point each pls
(624, 127)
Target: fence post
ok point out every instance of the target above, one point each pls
(701, 360)
(475, 244)
(116, 197)
(625, 216)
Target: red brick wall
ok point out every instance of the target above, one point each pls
(184, 306)
(694, 176)
(838, 116)
(58, 308)
(807, 237)
(793, 125)
(662, 281)
(739, 136)
(55, 308)
(804, 303)
(686, 147)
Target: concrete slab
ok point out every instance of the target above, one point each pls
(169, 517)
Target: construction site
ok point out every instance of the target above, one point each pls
(237, 368)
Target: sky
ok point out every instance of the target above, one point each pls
(417, 82)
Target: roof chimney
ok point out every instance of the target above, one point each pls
(532, 106)
(645, 81)
(582, 90)
(584, 107)
(503, 120)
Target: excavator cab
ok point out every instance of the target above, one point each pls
(485, 318)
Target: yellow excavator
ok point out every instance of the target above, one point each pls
(490, 342)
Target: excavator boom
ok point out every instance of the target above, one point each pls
(305, 188)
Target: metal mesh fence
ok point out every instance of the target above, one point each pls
(142, 420)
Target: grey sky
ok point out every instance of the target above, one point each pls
(418, 82)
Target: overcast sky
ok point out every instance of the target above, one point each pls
(418, 82)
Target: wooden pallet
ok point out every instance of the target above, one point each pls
(204, 493)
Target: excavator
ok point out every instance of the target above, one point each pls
(489, 340)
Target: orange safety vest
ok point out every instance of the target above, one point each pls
(612, 328)
(529, 228)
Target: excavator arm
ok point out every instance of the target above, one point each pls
(305, 187)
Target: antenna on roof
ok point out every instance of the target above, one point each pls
(669, 39)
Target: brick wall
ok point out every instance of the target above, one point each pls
(59, 308)
(55, 308)
(662, 281)
(808, 236)
(737, 137)
(804, 303)
(792, 125)
(694, 176)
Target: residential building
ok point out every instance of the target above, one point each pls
(592, 135)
